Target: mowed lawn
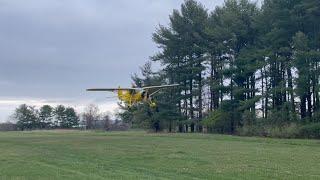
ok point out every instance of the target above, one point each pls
(140, 155)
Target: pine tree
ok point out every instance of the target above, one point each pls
(46, 114)
(60, 116)
(26, 117)
(71, 118)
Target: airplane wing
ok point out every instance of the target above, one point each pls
(159, 87)
(143, 88)
(111, 89)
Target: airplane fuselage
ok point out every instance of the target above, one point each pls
(131, 97)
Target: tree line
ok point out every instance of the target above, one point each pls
(28, 117)
(242, 68)
(46, 117)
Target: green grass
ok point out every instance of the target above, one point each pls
(139, 155)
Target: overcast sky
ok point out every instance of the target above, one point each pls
(52, 50)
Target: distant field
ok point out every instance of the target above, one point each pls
(138, 155)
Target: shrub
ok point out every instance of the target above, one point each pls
(316, 117)
(248, 118)
(285, 131)
(250, 130)
(291, 131)
(310, 131)
(8, 127)
(218, 121)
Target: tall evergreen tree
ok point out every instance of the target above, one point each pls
(71, 118)
(60, 116)
(26, 117)
(182, 53)
(46, 114)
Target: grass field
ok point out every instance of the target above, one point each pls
(139, 155)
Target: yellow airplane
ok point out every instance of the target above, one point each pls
(135, 95)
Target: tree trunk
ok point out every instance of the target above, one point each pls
(191, 99)
(200, 96)
(303, 107)
(192, 127)
(290, 85)
(212, 93)
(309, 104)
(180, 128)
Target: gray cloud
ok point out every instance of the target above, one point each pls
(55, 49)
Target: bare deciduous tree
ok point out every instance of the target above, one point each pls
(91, 115)
(107, 122)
